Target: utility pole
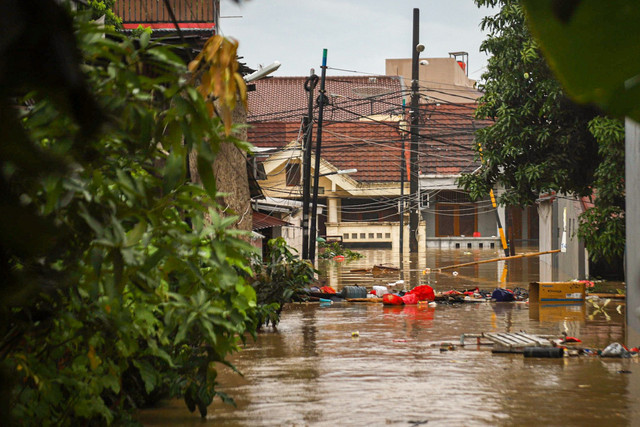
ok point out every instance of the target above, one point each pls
(403, 129)
(309, 86)
(316, 172)
(414, 204)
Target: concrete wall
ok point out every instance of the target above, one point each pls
(547, 241)
(632, 252)
(573, 263)
(376, 234)
(440, 74)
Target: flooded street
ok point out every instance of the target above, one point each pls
(367, 364)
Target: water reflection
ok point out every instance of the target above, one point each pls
(514, 273)
(315, 371)
(368, 364)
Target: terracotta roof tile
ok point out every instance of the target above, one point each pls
(447, 134)
(284, 99)
(373, 147)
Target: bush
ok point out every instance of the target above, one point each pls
(332, 249)
(120, 280)
(278, 279)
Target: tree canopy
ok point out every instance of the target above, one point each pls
(540, 141)
(121, 282)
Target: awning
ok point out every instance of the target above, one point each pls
(261, 220)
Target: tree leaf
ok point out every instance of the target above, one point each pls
(591, 50)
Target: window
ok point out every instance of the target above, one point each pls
(363, 236)
(293, 174)
(371, 235)
(354, 235)
(387, 235)
(346, 236)
(379, 235)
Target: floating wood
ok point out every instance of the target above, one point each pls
(607, 295)
(485, 261)
(381, 270)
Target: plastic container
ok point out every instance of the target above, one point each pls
(546, 352)
(354, 292)
(380, 290)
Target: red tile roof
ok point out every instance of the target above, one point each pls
(273, 134)
(284, 99)
(373, 147)
(447, 135)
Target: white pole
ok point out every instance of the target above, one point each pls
(632, 218)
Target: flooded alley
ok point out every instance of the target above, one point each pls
(369, 364)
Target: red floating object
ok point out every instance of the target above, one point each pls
(392, 299)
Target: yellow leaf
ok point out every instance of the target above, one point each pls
(94, 361)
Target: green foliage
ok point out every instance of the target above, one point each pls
(278, 278)
(110, 293)
(592, 47)
(332, 249)
(539, 140)
(603, 227)
(104, 8)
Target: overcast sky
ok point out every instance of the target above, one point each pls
(358, 34)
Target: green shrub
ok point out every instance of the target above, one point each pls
(278, 278)
(332, 249)
(120, 282)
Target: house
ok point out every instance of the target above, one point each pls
(364, 128)
(448, 97)
(446, 151)
(197, 20)
(441, 80)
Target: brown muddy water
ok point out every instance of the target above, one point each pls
(364, 364)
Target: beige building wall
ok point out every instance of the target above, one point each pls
(441, 80)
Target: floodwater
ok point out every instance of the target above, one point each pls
(366, 364)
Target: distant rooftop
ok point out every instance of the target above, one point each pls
(284, 99)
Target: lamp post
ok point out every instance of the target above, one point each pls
(339, 172)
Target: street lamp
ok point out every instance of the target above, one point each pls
(339, 172)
